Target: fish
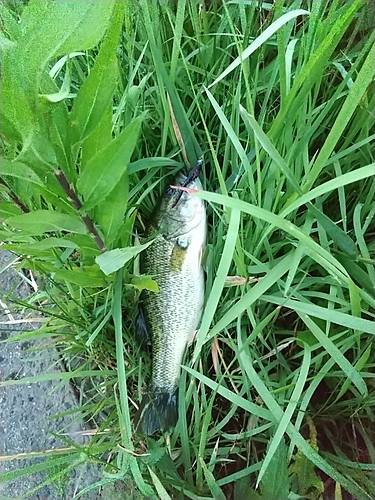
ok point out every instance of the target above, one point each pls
(172, 315)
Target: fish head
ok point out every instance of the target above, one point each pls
(181, 213)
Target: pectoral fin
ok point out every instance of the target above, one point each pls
(179, 253)
(141, 333)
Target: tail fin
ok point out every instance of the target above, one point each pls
(157, 411)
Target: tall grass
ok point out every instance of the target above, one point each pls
(277, 391)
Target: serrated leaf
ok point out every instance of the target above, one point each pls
(104, 171)
(113, 260)
(43, 221)
(96, 93)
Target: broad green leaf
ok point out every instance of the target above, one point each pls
(43, 221)
(110, 213)
(103, 172)
(98, 139)
(53, 29)
(17, 117)
(26, 250)
(86, 244)
(48, 243)
(8, 209)
(59, 139)
(113, 260)
(88, 276)
(96, 93)
(243, 490)
(18, 169)
(49, 29)
(9, 24)
(144, 283)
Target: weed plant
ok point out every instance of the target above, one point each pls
(102, 103)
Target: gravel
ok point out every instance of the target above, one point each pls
(26, 423)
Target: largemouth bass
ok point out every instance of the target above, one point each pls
(174, 260)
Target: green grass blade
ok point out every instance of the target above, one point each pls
(349, 370)
(361, 84)
(218, 285)
(286, 419)
(259, 41)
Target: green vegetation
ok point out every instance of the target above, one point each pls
(279, 98)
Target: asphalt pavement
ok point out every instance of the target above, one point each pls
(27, 410)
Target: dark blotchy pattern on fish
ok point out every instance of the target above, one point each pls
(172, 315)
(173, 312)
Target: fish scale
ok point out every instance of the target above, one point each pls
(172, 315)
(173, 323)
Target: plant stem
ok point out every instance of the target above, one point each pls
(60, 176)
(15, 198)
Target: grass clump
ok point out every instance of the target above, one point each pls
(102, 103)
